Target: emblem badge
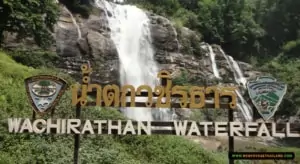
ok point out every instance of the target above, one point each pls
(266, 95)
(44, 92)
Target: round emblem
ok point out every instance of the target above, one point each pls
(44, 88)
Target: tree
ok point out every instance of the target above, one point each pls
(230, 23)
(29, 18)
(282, 24)
(189, 4)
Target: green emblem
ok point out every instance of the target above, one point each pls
(266, 95)
(44, 92)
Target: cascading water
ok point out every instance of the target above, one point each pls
(130, 33)
(240, 79)
(73, 20)
(119, 1)
(244, 107)
(213, 62)
(75, 23)
(239, 73)
(61, 28)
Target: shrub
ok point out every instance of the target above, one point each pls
(35, 59)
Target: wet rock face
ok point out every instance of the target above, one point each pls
(164, 35)
(93, 45)
(176, 48)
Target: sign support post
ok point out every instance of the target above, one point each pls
(230, 138)
(77, 136)
(33, 115)
(85, 80)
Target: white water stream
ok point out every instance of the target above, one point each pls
(130, 33)
(213, 62)
(237, 69)
(240, 79)
(75, 23)
(244, 107)
(119, 1)
(238, 75)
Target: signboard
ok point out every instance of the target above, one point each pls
(266, 95)
(44, 92)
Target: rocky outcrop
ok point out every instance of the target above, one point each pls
(87, 42)
(80, 40)
(176, 49)
(163, 33)
(180, 48)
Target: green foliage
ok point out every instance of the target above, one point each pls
(291, 49)
(182, 79)
(11, 90)
(230, 24)
(35, 58)
(29, 19)
(244, 28)
(189, 40)
(169, 150)
(282, 22)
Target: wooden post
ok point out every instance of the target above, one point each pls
(33, 115)
(52, 112)
(77, 136)
(230, 138)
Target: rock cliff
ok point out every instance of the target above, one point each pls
(176, 49)
(79, 40)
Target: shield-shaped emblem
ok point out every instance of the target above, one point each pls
(266, 95)
(44, 92)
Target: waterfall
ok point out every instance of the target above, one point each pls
(74, 22)
(130, 33)
(62, 26)
(118, 1)
(213, 62)
(240, 79)
(244, 107)
(238, 75)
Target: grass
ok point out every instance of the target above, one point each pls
(44, 148)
